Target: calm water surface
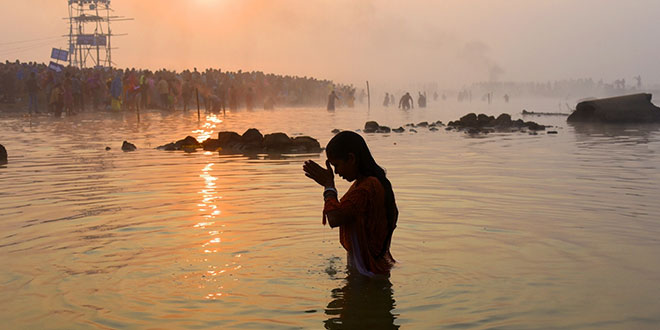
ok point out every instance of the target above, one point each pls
(503, 231)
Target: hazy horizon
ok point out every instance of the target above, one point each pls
(450, 43)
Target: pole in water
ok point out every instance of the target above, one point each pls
(368, 97)
(197, 95)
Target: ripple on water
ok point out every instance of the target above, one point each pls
(502, 231)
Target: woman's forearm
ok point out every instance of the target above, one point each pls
(337, 218)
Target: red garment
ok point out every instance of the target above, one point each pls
(364, 202)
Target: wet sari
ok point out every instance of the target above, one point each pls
(365, 233)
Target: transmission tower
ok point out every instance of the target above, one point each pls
(90, 34)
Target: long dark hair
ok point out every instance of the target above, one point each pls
(349, 142)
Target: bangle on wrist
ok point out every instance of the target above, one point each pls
(329, 189)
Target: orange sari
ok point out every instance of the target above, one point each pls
(365, 234)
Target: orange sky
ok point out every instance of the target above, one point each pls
(451, 42)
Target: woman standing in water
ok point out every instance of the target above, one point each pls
(367, 214)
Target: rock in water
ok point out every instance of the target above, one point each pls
(635, 108)
(371, 127)
(3, 154)
(277, 142)
(127, 146)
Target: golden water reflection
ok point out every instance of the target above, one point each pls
(208, 128)
(209, 212)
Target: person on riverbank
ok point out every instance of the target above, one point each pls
(367, 214)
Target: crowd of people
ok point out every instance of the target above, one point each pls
(38, 88)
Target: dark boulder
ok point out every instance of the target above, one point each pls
(484, 120)
(127, 146)
(475, 124)
(502, 121)
(229, 142)
(335, 131)
(305, 144)
(371, 127)
(383, 129)
(469, 120)
(228, 138)
(423, 124)
(211, 145)
(189, 143)
(398, 130)
(635, 108)
(534, 126)
(277, 142)
(252, 139)
(3, 154)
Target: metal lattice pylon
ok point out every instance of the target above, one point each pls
(90, 34)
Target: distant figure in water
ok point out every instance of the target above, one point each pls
(249, 99)
(331, 100)
(367, 214)
(386, 101)
(421, 100)
(406, 102)
(506, 98)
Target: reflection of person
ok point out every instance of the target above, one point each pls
(362, 303)
(367, 213)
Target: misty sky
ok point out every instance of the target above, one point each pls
(451, 42)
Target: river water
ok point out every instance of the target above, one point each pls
(499, 231)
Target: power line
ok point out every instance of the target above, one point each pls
(4, 52)
(31, 40)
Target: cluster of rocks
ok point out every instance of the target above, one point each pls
(252, 141)
(374, 127)
(475, 124)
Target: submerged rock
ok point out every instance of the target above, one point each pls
(370, 127)
(635, 108)
(3, 155)
(373, 127)
(277, 141)
(252, 139)
(127, 146)
(534, 113)
(188, 143)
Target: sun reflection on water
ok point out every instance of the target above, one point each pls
(209, 212)
(208, 128)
